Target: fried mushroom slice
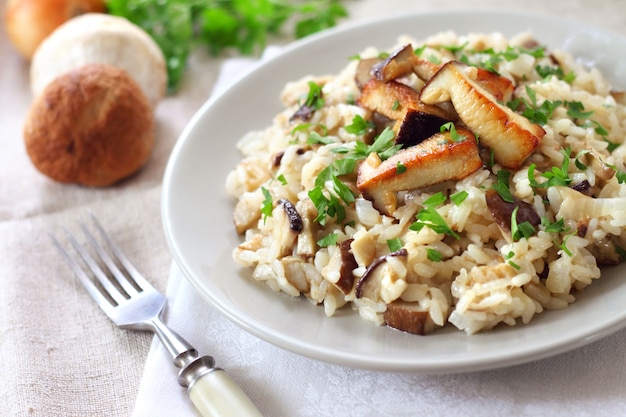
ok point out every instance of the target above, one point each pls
(393, 99)
(416, 127)
(502, 211)
(510, 136)
(436, 160)
(408, 317)
(398, 64)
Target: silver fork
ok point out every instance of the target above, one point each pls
(132, 303)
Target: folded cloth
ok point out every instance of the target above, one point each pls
(588, 381)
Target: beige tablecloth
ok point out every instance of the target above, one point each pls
(61, 357)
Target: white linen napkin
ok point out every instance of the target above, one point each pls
(588, 381)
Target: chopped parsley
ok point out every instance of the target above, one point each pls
(555, 227)
(394, 244)
(458, 198)
(326, 206)
(536, 113)
(315, 96)
(328, 240)
(429, 217)
(267, 205)
(400, 168)
(281, 178)
(508, 257)
(557, 176)
(454, 135)
(547, 71)
(502, 186)
(331, 205)
(317, 139)
(575, 110)
(522, 230)
(433, 255)
(359, 126)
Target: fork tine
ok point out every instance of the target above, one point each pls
(106, 283)
(130, 268)
(119, 276)
(101, 300)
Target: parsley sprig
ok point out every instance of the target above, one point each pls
(179, 26)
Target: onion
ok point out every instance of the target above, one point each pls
(571, 204)
(29, 22)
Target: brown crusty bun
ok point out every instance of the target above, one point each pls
(92, 126)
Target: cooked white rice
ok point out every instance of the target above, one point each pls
(484, 277)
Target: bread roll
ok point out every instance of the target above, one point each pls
(92, 126)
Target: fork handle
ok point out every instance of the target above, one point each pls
(216, 394)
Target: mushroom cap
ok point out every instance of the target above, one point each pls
(91, 126)
(104, 39)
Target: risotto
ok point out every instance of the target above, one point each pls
(463, 181)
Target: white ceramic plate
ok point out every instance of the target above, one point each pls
(197, 213)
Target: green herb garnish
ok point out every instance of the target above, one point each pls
(267, 205)
(328, 240)
(179, 26)
(522, 230)
(454, 135)
(394, 244)
(434, 255)
(459, 197)
(359, 126)
(429, 217)
(502, 186)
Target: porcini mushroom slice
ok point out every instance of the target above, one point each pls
(511, 137)
(500, 87)
(502, 211)
(295, 220)
(408, 317)
(416, 127)
(435, 160)
(394, 99)
(398, 64)
(348, 264)
(424, 69)
(369, 284)
(363, 71)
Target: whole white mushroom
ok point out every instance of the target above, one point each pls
(97, 38)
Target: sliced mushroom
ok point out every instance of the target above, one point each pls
(295, 221)
(408, 317)
(403, 61)
(424, 69)
(600, 168)
(500, 87)
(437, 159)
(398, 64)
(371, 279)
(394, 99)
(416, 127)
(511, 137)
(363, 71)
(619, 96)
(348, 264)
(502, 211)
